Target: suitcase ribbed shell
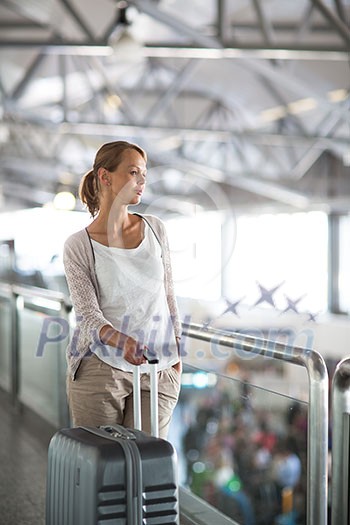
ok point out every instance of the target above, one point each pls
(87, 481)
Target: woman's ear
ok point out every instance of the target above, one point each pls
(104, 177)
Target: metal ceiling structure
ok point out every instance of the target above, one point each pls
(241, 103)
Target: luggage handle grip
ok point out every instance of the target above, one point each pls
(153, 361)
(148, 356)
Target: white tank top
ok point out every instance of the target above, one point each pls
(133, 299)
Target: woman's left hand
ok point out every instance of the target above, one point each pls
(178, 365)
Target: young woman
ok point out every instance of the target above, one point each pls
(119, 275)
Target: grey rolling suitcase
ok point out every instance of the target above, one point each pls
(112, 475)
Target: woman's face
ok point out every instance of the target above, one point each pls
(128, 180)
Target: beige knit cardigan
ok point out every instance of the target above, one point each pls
(79, 265)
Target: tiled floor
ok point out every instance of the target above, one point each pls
(24, 440)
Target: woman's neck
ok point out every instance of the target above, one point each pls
(112, 220)
(117, 228)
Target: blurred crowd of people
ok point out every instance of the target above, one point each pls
(248, 462)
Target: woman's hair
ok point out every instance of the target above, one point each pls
(109, 156)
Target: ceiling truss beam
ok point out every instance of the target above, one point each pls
(24, 10)
(190, 134)
(78, 19)
(28, 75)
(222, 22)
(334, 21)
(172, 92)
(243, 50)
(149, 8)
(19, 25)
(265, 24)
(340, 9)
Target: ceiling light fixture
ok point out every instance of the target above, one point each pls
(113, 101)
(64, 200)
(293, 108)
(338, 95)
(121, 40)
(301, 105)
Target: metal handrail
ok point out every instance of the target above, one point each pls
(5, 290)
(340, 443)
(24, 290)
(317, 457)
(42, 293)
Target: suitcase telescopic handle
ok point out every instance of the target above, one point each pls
(153, 361)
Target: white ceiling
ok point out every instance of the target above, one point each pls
(246, 97)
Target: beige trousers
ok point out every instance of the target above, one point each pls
(102, 395)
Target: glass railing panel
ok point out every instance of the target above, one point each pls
(40, 361)
(242, 448)
(280, 376)
(5, 346)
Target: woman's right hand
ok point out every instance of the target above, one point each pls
(133, 351)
